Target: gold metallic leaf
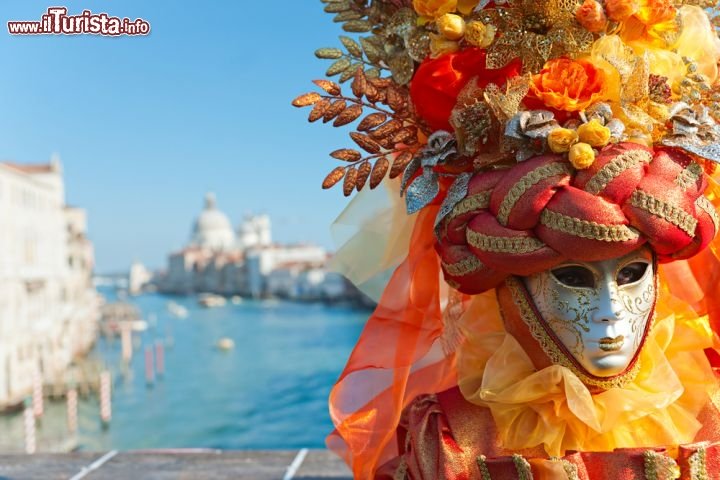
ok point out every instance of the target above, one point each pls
(371, 121)
(336, 7)
(347, 15)
(395, 99)
(330, 87)
(365, 142)
(378, 172)
(306, 99)
(349, 72)
(400, 162)
(319, 110)
(372, 72)
(333, 177)
(328, 53)
(350, 179)
(406, 135)
(373, 53)
(363, 173)
(386, 130)
(402, 68)
(335, 109)
(346, 155)
(348, 115)
(357, 26)
(359, 83)
(372, 93)
(338, 67)
(352, 46)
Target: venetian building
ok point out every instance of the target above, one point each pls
(212, 229)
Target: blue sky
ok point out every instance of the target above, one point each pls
(146, 125)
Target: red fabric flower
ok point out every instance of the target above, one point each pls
(438, 82)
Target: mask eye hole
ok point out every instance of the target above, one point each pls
(574, 276)
(631, 273)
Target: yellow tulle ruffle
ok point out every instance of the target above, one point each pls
(553, 409)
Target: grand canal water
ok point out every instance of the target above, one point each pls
(270, 391)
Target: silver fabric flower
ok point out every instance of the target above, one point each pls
(694, 130)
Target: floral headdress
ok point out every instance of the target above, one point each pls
(504, 121)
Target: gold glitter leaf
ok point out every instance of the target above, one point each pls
(378, 172)
(365, 142)
(400, 162)
(371, 121)
(333, 177)
(330, 87)
(335, 109)
(506, 105)
(395, 99)
(372, 72)
(328, 53)
(357, 26)
(346, 155)
(348, 115)
(319, 110)
(386, 130)
(338, 67)
(352, 46)
(374, 54)
(364, 170)
(349, 72)
(336, 7)
(349, 183)
(406, 135)
(402, 68)
(347, 15)
(306, 99)
(359, 84)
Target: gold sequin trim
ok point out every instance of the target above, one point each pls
(401, 471)
(466, 266)
(585, 229)
(554, 352)
(482, 465)
(667, 211)
(698, 469)
(660, 467)
(525, 183)
(571, 470)
(516, 245)
(704, 204)
(614, 168)
(479, 201)
(523, 467)
(689, 176)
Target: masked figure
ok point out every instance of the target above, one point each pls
(549, 305)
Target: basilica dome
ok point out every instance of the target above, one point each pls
(212, 229)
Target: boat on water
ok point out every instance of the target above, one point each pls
(177, 310)
(210, 300)
(236, 299)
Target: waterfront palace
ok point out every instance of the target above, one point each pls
(48, 306)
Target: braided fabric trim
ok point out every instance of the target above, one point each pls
(614, 168)
(516, 245)
(466, 266)
(571, 470)
(704, 204)
(586, 229)
(525, 183)
(555, 353)
(689, 176)
(522, 467)
(659, 466)
(479, 201)
(698, 468)
(667, 211)
(482, 465)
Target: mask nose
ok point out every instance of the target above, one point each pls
(607, 309)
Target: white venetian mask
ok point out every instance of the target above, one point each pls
(599, 311)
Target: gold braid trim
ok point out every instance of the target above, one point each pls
(689, 176)
(586, 229)
(660, 467)
(482, 465)
(525, 183)
(698, 469)
(479, 201)
(667, 211)
(401, 471)
(554, 352)
(466, 266)
(523, 467)
(614, 168)
(515, 245)
(571, 470)
(704, 204)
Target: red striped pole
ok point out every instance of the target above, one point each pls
(72, 410)
(149, 368)
(29, 418)
(37, 396)
(126, 342)
(105, 397)
(160, 358)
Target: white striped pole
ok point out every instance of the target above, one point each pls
(37, 396)
(29, 417)
(72, 410)
(126, 342)
(105, 398)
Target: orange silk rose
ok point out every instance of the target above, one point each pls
(434, 8)
(568, 85)
(437, 83)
